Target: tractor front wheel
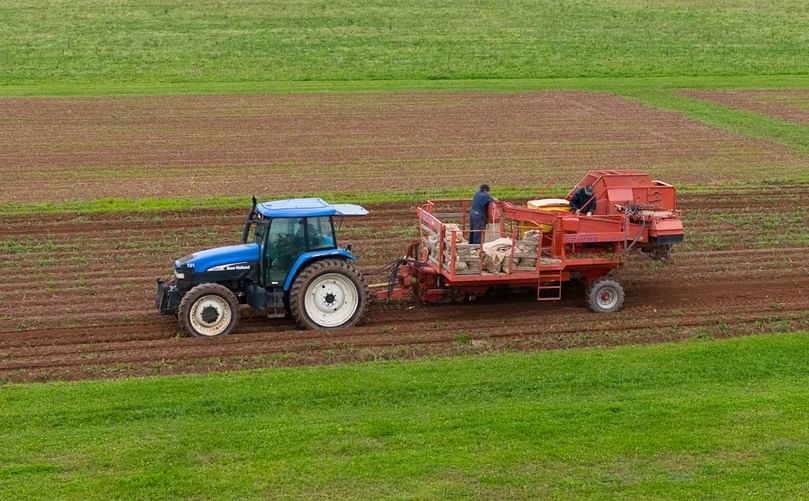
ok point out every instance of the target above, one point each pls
(209, 310)
(328, 294)
(605, 295)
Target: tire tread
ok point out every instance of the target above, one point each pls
(591, 294)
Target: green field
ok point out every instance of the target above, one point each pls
(95, 41)
(712, 419)
(636, 49)
(715, 419)
(646, 51)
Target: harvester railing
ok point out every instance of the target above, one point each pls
(560, 238)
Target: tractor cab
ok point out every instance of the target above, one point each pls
(283, 239)
(288, 230)
(288, 262)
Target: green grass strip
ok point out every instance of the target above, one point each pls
(232, 202)
(719, 419)
(168, 204)
(605, 84)
(747, 123)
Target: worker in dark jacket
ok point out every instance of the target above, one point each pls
(478, 215)
(583, 200)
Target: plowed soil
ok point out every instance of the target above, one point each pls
(77, 293)
(790, 105)
(85, 148)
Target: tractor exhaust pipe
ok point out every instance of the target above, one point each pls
(249, 221)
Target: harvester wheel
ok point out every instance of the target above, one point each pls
(458, 295)
(605, 295)
(328, 294)
(209, 310)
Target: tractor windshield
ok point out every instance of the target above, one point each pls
(260, 229)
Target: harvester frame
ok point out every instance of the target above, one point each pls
(634, 212)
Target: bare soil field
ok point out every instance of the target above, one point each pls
(59, 149)
(791, 105)
(77, 293)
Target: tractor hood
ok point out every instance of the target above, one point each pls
(221, 258)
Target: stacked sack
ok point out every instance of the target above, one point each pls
(466, 257)
(432, 245)
(496, 255)
(528, 247)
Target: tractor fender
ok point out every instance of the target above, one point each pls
(308, 257)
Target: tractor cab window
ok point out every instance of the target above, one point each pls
(288, 238)
(319, 233)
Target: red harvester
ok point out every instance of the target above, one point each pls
(540, 246)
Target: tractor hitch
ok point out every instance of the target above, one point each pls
(168, 297)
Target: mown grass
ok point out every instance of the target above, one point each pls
(746, 123)
(722, 419)
(91, 41)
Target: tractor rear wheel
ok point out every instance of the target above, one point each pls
(328, 294)
(209, 310)
(605, 295)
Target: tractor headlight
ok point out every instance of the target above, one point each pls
(179, 275)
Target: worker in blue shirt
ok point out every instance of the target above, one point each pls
(583, 201)
(478, 215)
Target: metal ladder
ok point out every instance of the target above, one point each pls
(552, 286)
(552, 278)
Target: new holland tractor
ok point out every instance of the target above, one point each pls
(288, 261)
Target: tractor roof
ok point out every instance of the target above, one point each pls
(308, 207)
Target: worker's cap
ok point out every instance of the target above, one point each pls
(484, 187)
(588, 190)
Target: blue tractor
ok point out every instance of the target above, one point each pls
(288, 262)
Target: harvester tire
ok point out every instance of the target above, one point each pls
(458, 295)
(329, 294)
(209, 310)
(604, 295)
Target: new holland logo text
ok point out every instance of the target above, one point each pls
(230, 267)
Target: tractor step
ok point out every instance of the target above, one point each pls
(275, 305)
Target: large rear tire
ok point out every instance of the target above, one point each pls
(209, 310)
(605, 295)
(328, 294)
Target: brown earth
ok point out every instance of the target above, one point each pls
(84, 148)
(76, 299)
(790, 105)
